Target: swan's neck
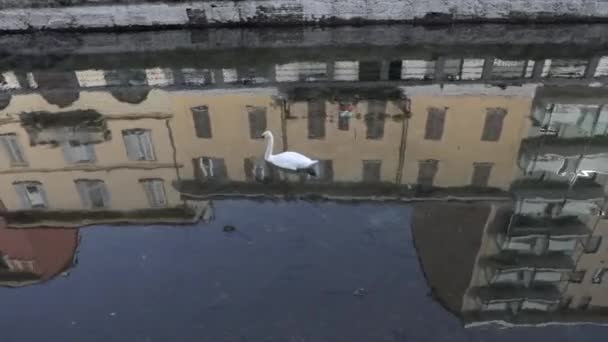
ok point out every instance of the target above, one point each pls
(269, 147)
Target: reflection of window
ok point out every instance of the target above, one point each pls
(345, 113)
(369, 71)
(577, 276)
(13, 149)
(93, 193)
(138, 143)
(583, 304)
(32, 194)
(374, 119)
(155, 191)
(256, 169)
(202, 122)
(371, 170)
(562, 245)
(547, 276)
(78, 153)
(417, 69)
(508, 277)
(257, 121)
(324, 170)
(435, 121)
(210, 168)
(593, 244)
(535, 305)
(316, 119)
(427, 169)
(481, 174)
(598, 275)
(495, 306)
(492, 127)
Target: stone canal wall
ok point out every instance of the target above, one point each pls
(24, 15)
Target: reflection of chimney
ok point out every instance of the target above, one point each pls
(33, 255)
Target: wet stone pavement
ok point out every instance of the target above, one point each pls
(458, 194)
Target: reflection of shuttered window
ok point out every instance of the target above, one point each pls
(324, 172)
(481, 174)
(74, 153)
(210, 168)
(138, 143)
(452, 69)
(435, 121)
(344, 116)
(369, 71)
(371, 170)
(12, 148)
(256, 169)
(202, 121)
(32, 194)
(316, 119)
(155, 192)
(93, 193)
(374, 119)
(427, 169)
(492, 127)
(257, 121)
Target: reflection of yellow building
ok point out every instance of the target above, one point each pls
(464, 112)
(356, 153)
(84, 171)
(104, 153)
(224, 126)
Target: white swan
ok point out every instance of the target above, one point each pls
(288, 160)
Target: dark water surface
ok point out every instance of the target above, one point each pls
(459, 193)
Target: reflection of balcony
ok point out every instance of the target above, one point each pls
(564, 146)
(564, 226)
(515, 299)
(511, 261)
(82, 127)
(583, 189)
(525, 269)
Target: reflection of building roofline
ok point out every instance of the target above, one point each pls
(73, 218)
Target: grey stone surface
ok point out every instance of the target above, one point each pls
(19, 15)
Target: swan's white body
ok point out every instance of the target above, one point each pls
(287, 160)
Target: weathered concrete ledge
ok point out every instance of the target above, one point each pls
(28, 15)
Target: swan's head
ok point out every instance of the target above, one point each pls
(266, 134)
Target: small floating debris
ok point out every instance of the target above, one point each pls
(229, 229)
(360, 292)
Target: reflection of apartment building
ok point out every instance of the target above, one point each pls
(98, 158)
(540, 257)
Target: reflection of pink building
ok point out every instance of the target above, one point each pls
(34, 255)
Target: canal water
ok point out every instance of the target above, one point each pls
(457, 191)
